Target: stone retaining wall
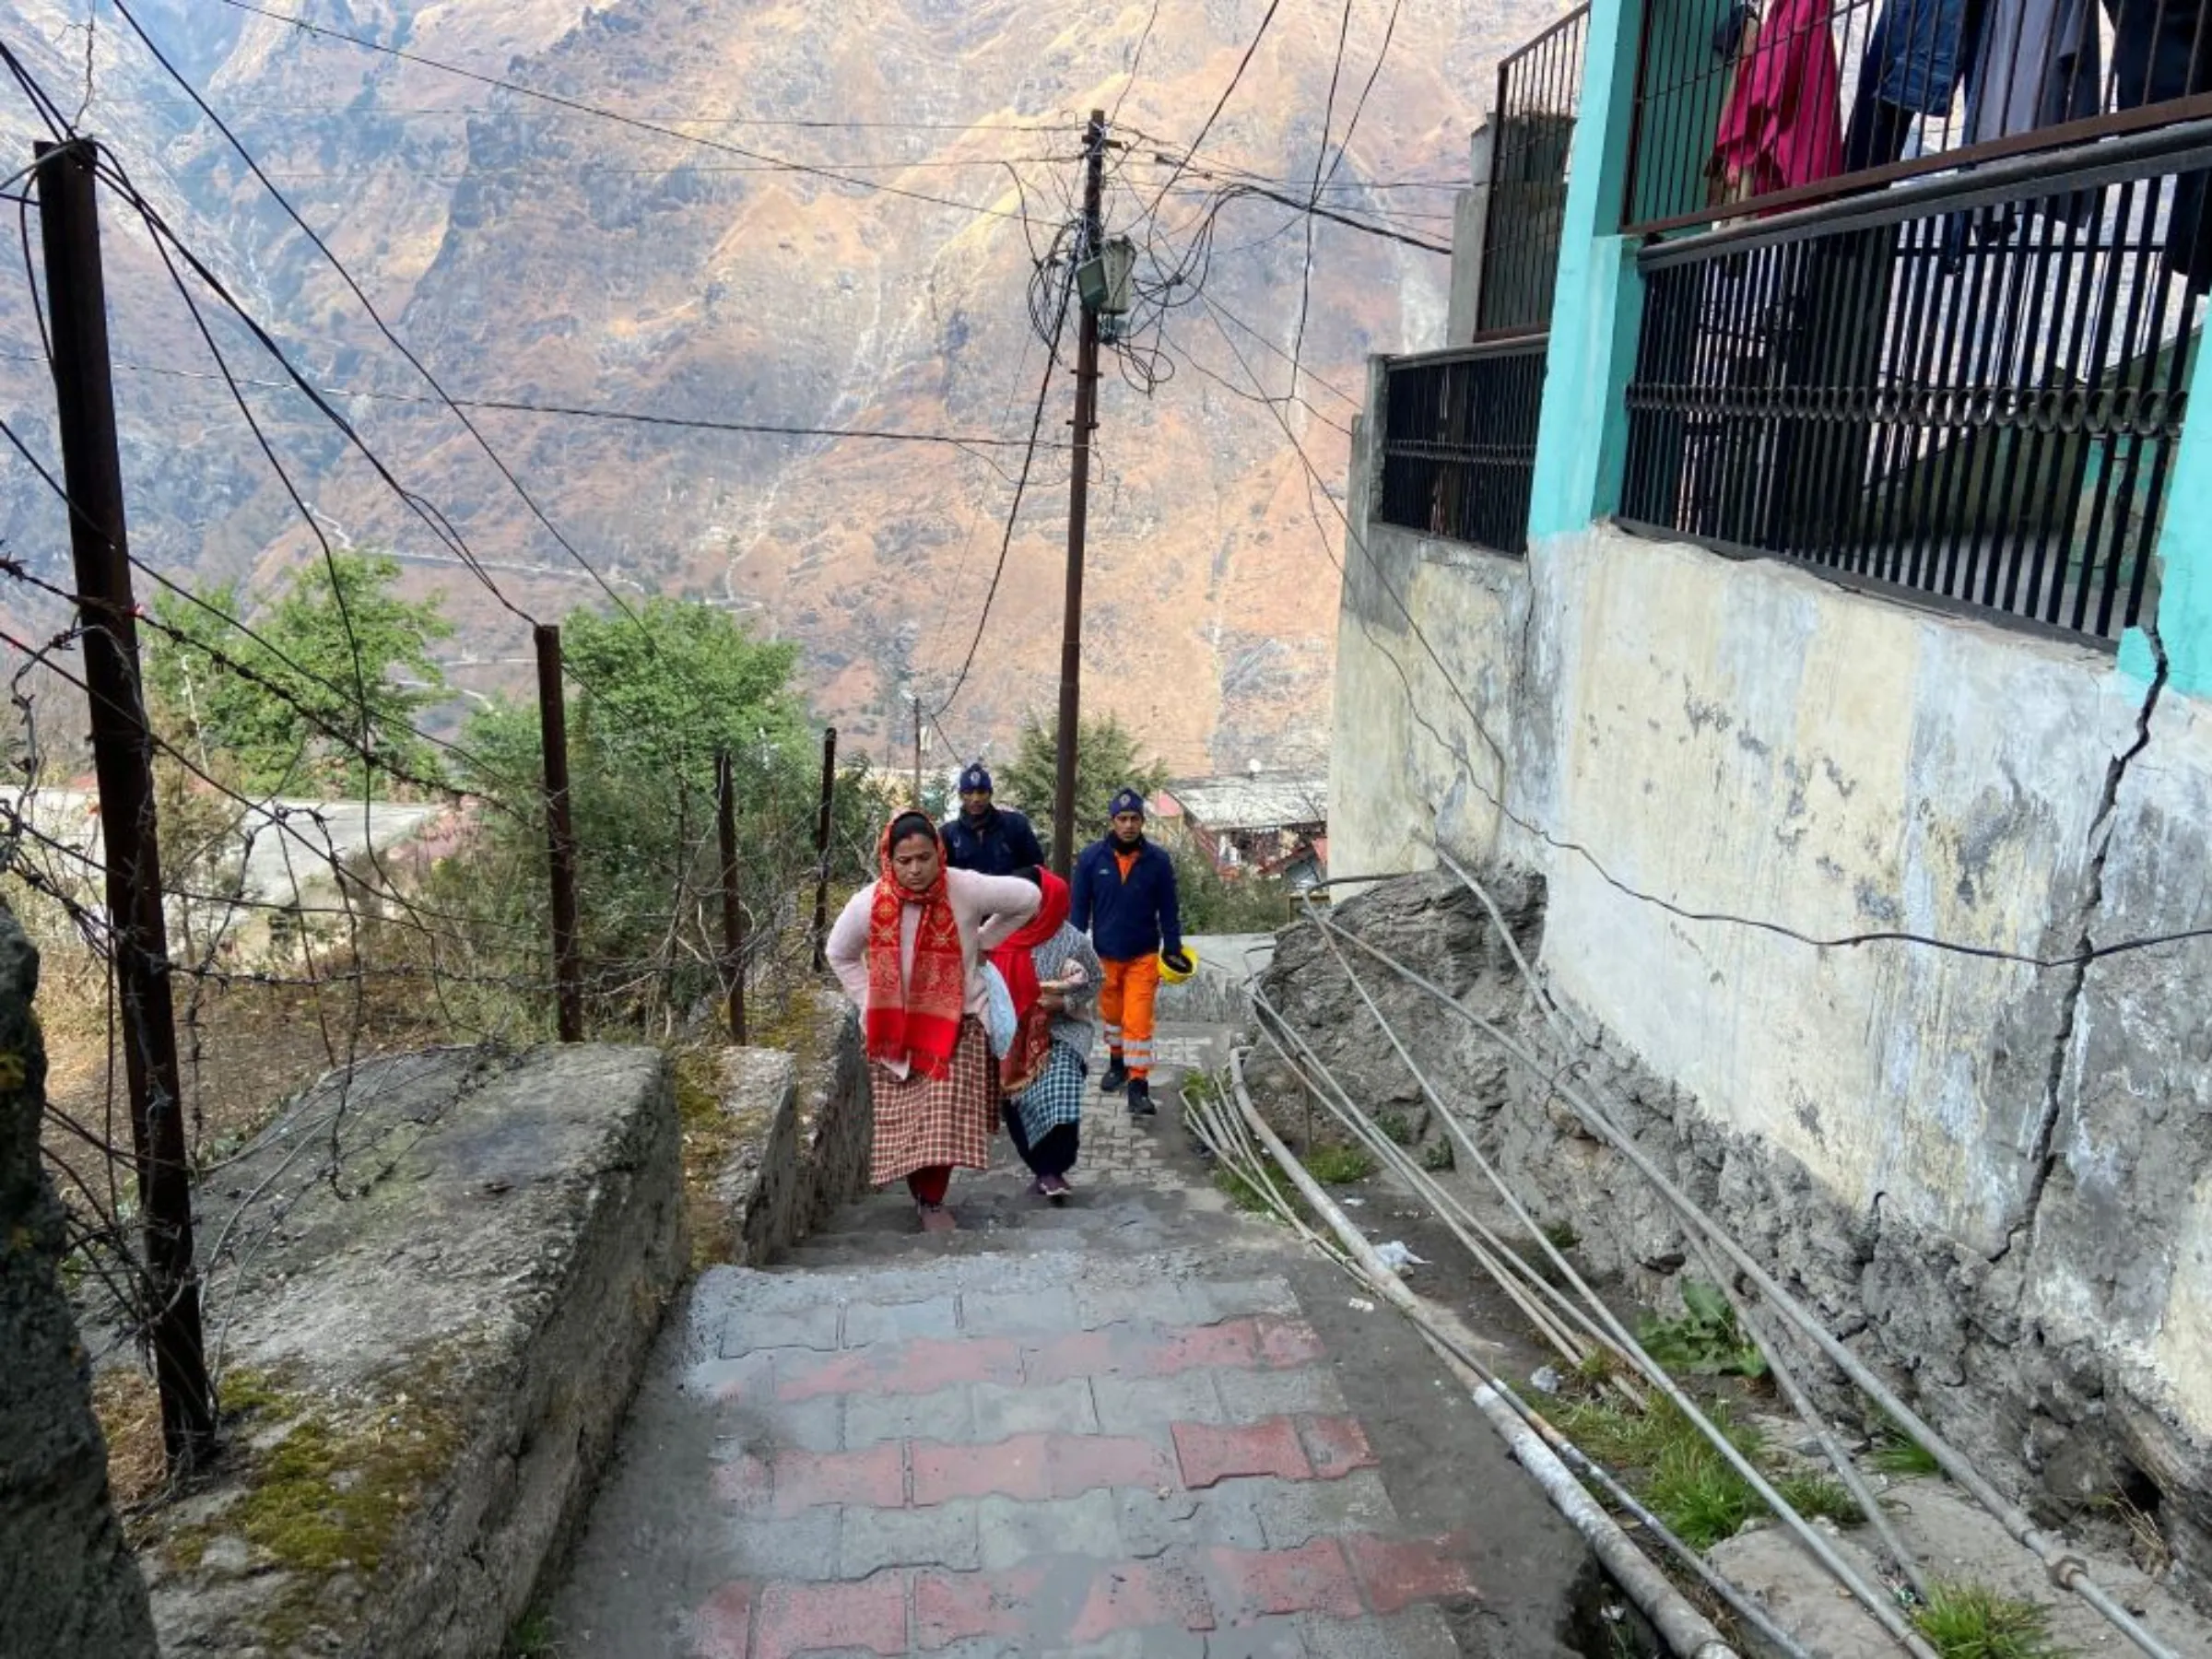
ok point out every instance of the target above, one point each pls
(68, 1587)
(439, 1276)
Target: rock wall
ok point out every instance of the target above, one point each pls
(2004, 1168)
(68, 1587)
(799, 1165)
(439, 1275)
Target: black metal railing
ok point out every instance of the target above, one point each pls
(1757, 105)
(1972, 388)
(1459, 443)
(1539, 91)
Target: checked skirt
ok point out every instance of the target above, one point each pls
(927, 1123)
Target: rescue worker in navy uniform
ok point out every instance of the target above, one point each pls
(985, 838)
(1124, 896)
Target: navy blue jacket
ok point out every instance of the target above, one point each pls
(1001, 844)
(1127, 918)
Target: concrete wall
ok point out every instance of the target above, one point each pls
(1470, 225)
(1743, 738)
(68, 1587)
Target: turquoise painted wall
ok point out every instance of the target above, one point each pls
(2184, 615)
(1582, 437)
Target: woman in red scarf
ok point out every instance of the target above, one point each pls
(909, 952)
(1051, 972)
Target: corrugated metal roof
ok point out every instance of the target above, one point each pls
(1258, 801)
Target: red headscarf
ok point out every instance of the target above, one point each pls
(915, 1016)
(1017, 967)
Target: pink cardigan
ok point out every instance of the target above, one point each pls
(987, 910)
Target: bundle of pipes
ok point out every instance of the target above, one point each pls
(1582, 1324)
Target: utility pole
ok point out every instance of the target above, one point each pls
(821, 846)
(917, 696)
(560, 833)
(732, 912)
(1079, 504)
(123, 750)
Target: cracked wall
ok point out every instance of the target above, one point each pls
(2004, 1172)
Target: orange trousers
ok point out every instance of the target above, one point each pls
(1125, 1006)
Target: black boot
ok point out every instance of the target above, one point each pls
(1117, 1075)
(1140, 1099)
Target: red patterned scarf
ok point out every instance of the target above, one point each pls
(915, 1016)
(1033, 1043)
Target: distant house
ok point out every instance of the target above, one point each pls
(1269, 823)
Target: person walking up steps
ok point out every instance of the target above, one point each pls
(1052, 976)
(1124, 896)
(909, 950)
(991, 841)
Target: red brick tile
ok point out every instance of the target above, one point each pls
(1015, 1467)
(1253, 1583)
(1085, 1462)
(922, 1366)
(743, 1481)
(722, 1627)
(1032, 1467)
(801, 1619)
(968, 1607)
(1140, 1596)
(876, 1478)
(1336, 1444)
(1207, 1454)
(1398, 1573)
(1286, 1341)
(1229, 1344)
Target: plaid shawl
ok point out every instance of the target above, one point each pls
(915, 1016)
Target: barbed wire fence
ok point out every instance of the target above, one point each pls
(214, 948)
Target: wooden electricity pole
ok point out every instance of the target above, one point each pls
(123, 750)
(1079, 503)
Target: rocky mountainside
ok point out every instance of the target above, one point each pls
(531, 251)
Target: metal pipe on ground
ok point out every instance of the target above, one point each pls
(1223, 1135)
(1689, 1634)
(2064, 1569)
(1871, 1598)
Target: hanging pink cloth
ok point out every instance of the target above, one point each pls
(1782, 125)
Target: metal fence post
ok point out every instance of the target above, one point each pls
(123, 750)
(732, 912)
(822, 830)
(560, 833)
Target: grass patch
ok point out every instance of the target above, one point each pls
(1438, 1157)
(1394, 1128)
(1562, 1237)
(1682, 1476)
(536, 1637)
(1704, 1341)
(129, 1409)
(1972, 1621)
(1896, 1453)
(1334, 1164)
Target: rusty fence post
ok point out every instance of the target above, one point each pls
(732, 912)
(822, 830)
(560, 834)
(123, 750)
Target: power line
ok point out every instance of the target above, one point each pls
(587, 168)
(517, 406)
(1052, 361)
(376, 317)
(580, 107)
(1219, 104)
(472, 111)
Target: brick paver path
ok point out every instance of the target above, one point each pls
(1103, 1430)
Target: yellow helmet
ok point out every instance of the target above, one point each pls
(1176, 966)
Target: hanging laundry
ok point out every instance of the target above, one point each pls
(1911, 67)
(2036, 65)
(1782, 124)
(2162, 49)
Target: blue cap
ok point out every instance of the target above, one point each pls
(1125, 800)
(977, 778)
